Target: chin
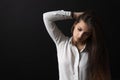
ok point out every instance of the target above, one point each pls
(79, 40)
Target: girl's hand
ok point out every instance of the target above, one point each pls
(77, 14)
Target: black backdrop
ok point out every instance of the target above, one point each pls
(27, 51)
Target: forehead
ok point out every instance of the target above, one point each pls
(81, 24)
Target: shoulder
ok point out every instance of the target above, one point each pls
(64, 42)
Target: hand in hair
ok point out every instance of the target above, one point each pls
(75, 15)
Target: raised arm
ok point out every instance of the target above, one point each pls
(49, 19)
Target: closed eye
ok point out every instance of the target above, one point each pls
(79, 29)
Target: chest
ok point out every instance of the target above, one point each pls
(70, 56)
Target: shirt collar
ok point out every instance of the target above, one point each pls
(83, 48)
(70, 40)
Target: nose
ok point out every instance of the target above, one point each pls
(80, 35)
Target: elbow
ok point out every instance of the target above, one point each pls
(47, 16)
(44, 16)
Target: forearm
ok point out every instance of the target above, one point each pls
(57, 15)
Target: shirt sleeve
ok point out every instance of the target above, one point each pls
(49, 19)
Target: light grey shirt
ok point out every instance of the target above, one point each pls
(72, 64)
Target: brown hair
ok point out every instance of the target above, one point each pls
(99, 68)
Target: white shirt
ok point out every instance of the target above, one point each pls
(72, 64)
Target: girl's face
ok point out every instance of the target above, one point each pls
(81, 32)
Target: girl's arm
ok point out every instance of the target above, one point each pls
(49, 19)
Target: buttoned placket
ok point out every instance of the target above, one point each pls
(78, 55)
(76, 63)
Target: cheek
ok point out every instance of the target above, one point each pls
(74, 32)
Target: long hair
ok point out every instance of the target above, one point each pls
(98, 68)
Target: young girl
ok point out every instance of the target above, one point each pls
(82, 56)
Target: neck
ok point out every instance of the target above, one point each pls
(79, 45)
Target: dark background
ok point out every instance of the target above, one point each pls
(27, 51)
